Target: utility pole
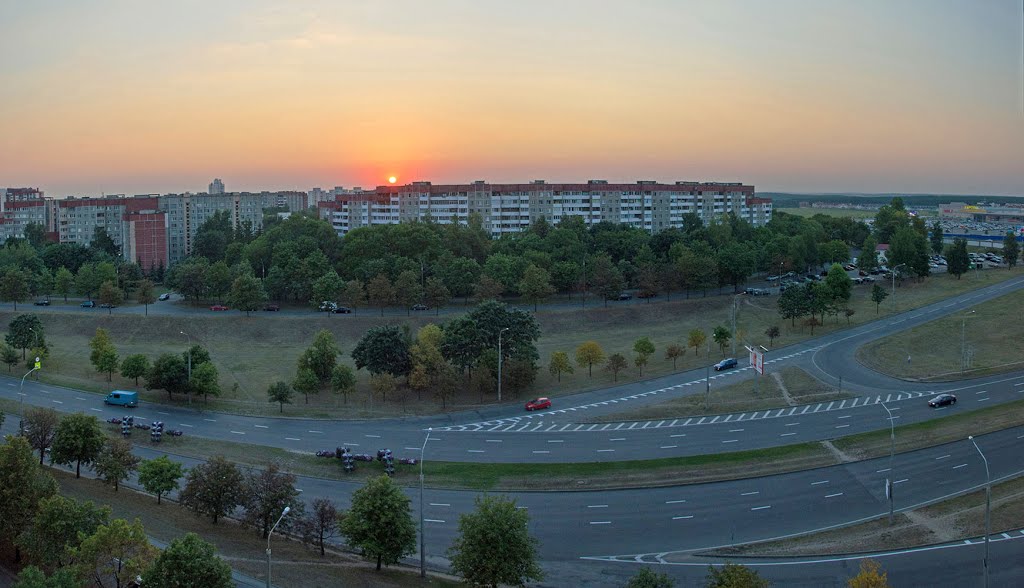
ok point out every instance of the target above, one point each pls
(735, 300)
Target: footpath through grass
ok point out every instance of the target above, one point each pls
(984, 339)
(252, 352)
(745, 396)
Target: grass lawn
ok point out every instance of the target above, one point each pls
(956, 519)
(251, 353)
(294, 564)
(803, 388)
(991, 332)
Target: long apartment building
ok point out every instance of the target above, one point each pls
(510, 208)
(152, 230)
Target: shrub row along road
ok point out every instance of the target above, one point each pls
(508, 434)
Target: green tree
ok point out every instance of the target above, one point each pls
(588, 354)
(135, 366)
(673, 352)
(793, 303)
(494, 546)
(381, 384)
(606, 278)
(643, 348)
(487, 288)
(281, 393)
(103, 242)
(459, 274)
(110, 295)
(213, 489)
(116, 462)
(63, 282)
(870, 575)
(616, 363)
(306, 383)
(321, 524)
(169, 372)
(218, 280)
(328, 287)
(648, 282)
(559, 363)
(321, 356)
(343, 381)
(103, 355)
(160, 475)
(115, 554)
(936, 238)
(722, 336)
(379, 523)
(436, 294)
(1011, 249)
(9, 355)
(354, 294)
(39, 425)
(408, 290)
(696, 339)
(189, 562)
(267, 492)
(734, 576)
(14, 287)
(380, 292)
(23, 484)
(79, 439)
(205, 381)
(25, 331)
(87, 280)
(383, 349)
(536, 285)
(735, 264)
(868, 259)
(648, 578)
(33, 577)
(247, 294)
(878, 295)
(840, 286)
(146, 294)
(957, 259)
(772, 333)
(59, 527)
(835, 251)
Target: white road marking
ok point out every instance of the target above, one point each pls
(163, 413)
(185, 425)
(312, 431)
(846, 416)
(618, 439)
(58, 402)
(791, 424)
(941, 457)
(600, 522)
(681, 518)
(735, 430)
(475, 450)
(750, 493)
(433, 520)
(901, 481)
(842, 426)
(96, 409)
(604, 450)
(597, 506)
(674, 501)
(238, 432)
(833, 495)
(963, 465)
(493, 440)
(292, 439)
(261, 426)
(541, 451)
(678, 435)
(372, 436)
(439, 504)
(556, 440)
(412, 448)
(761, 507)
(210, 420)
(79, 398)
(821, 482)
(731, 441)
(982, 399)
(786, 434)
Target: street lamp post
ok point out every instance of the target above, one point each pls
(893, 272)
(707, 379)
(963, 341)
(889, 486)
(286, 509)
(499, 362)
(189, 394)
(988, 504)
(423, 549)
(21, 395)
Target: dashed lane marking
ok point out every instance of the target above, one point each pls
(833, 495)
(261, 426)
(292, 439)
(761, 507)
(682, 517)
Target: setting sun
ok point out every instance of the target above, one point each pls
(392, 180)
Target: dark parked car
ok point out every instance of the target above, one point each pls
(218, 307)
(420, 307)
(538, 403)
(342, 310)
(107, 305)
(88, 304)
(725, 364)
(624, 296)
(942, 400)
(272, 308)
(44, 302)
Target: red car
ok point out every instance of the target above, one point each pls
(218, 307)
(538, 403)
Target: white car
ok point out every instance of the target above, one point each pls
(165, 296)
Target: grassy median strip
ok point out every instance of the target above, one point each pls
(956, 519)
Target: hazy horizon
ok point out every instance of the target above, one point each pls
(796, 96)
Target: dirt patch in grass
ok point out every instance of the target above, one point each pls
(956, 519)
(252, 352)
(295, 565)
(745, 396)
(983, 339)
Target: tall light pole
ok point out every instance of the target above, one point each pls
(499, 362)
(988, 504)
(286, 509)
(735, 303)
(423, 549)
(21, 395)
(189, 394)
(893, 272)
(707, 379)
(889, 487)
(963, 341)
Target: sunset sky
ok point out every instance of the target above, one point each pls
(126, 96)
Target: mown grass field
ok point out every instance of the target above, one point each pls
(992, 332)
(840, 212)
(253, 352)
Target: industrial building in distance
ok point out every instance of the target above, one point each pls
(158, 230)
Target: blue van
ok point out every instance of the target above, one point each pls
(122, 398)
